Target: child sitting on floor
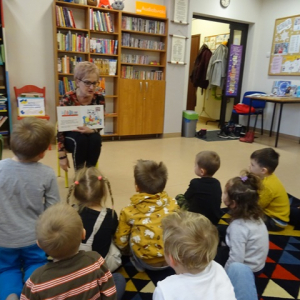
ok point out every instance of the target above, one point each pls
(247, 236)
(273, 198)
(100, 223)
(140, 222)
(190, 242)
(27, 188)
(204, 194)
(72, 274)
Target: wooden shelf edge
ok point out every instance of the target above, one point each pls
(143, 65)
(111, 115)
(77, 52)
(71, 29)
(143, 33)
(104, 32)
(103, 54)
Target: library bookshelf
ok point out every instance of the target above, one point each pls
(5, 109)
(135, 93)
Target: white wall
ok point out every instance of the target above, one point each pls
(30, 49)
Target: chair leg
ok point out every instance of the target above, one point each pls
(255, 123)
(1, 146)
(66, 180)
(262, 124)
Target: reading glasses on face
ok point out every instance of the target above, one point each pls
(89, 83)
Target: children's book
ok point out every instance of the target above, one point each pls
(280, 88)
(31, 106)
(71, 117)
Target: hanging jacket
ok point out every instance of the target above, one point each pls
(216, 70)
(198, 76)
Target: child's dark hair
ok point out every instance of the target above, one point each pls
(30, 137)
(209, 161)
(150, 177)
(244, 191)
(89, 187)
(266, 158)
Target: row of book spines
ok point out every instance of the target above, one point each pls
(129, 41)
(143, 25)
(136, 59)
(130, 73)
(2, 55)
(67, 64)
(101, 21)
(65, 85)
(72, 42)
(64, 17)
(3, 119)
(105, 66)
(105, 46)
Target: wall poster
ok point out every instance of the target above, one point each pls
(285, 51)
(233, 72)
(213, 41)
(181, 11)
(178, 49)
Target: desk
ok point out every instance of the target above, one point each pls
(275, 100)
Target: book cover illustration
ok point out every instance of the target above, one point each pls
(280, 87)
(71, 117)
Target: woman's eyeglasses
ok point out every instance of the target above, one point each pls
(89, 83)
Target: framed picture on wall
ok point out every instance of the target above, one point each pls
(178, 49)
(181, 11)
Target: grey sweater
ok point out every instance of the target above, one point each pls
(26, 190)
(248, 241)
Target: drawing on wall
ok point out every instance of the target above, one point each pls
(285, 51)
(214, 41)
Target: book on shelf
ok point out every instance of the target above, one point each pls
(101, 86)
(103, 46)
(143, 25)
(128, 72)
(129, 41)
(72, 42)
(64, 17)
(71, 117)
(3, 119)
(279, 88)
(65, 85)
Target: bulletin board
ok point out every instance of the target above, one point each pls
(285, 51)
(213, 41)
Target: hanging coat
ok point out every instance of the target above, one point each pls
(198, 76)
(216, 71)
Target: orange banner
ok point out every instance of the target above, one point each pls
(150, 9)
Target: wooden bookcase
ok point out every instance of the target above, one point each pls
(5, 112)
(133, 106)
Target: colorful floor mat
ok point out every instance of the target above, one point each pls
(279, 281)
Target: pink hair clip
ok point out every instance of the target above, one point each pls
(99, 177)
(76, 182)
(244, 178)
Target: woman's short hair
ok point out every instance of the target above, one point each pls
(59, 231)
(190, 239)
(85, 68)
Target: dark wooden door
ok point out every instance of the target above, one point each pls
(191, 95)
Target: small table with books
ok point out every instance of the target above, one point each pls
(275, 100)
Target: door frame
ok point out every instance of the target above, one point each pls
(233, 26)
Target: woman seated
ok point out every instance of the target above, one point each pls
(84, 143)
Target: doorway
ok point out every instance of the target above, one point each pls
(212, 104)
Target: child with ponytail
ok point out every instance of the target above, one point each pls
(247, 236)
(90, 190)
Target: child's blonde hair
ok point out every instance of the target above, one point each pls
(89, 187)
(209, 161)
(59, 231)
(150, 177)
(190, 239)
(30, 137)
(244, 191)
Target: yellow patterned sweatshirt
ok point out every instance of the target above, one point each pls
(140, 222)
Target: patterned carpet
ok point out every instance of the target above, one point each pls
(279, 281)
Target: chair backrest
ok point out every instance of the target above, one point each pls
(30, 89)
(255, 103)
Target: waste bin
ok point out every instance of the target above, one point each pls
(189, 122)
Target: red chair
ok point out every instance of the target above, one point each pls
(32, 89)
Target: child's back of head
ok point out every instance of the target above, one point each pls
(266, 158)
(209, 161)
(150, 177)
(89, 188)
(190, 239)
(241, 195)
(30, 137)
(59, 231)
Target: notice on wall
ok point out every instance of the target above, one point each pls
(285, 51)
(233, 72)
(181, 11)
(178, 49)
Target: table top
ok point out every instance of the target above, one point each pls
(276, 99)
